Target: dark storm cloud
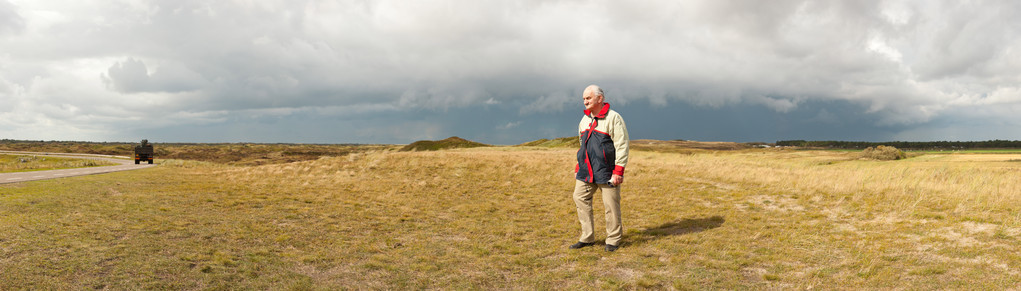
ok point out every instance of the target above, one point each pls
(502, 71)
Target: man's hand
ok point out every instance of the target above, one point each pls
(616, 180)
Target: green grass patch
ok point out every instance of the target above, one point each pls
(929, 151)
(25, 163)
(563, 142)
(224, 153)
(981, 151)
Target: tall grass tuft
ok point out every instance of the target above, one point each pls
(882, 153)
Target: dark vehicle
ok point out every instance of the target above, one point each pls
(143, 152)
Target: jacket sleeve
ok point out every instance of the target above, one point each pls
(621, 143)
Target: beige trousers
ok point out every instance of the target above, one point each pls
(583, 192)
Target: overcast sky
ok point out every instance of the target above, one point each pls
(507, 72)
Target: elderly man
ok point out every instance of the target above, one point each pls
(601, 161)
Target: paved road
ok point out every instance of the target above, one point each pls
(125, 164)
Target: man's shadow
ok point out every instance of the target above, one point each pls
(679, 227)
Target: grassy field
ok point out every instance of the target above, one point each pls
(24, 163)
(485, 218)
(223, 153)
(983, 151)
(943, 152)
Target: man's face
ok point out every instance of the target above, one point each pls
(592, 101)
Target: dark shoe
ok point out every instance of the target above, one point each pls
(580, 245)
(610, 248)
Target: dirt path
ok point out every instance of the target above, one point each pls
(125, 164)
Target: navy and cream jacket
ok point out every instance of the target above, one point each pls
(604, 146)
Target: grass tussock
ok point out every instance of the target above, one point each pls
(882, 153)
(22, 163)
(502, 218)
(452, 142)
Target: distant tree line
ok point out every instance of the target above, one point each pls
(989, 144)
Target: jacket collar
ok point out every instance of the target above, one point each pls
(602, 112)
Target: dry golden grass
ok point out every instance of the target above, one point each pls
(502, 218)
(939, 181)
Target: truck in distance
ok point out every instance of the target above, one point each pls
(143, 152)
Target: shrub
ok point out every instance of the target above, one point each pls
(883, 153)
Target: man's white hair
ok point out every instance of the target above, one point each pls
(593, 89)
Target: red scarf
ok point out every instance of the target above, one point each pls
(602, 112)
(595, 119)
